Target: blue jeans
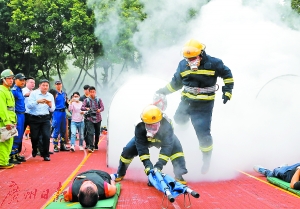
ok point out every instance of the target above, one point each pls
(284, 173)
(59, 125)
(77, 126)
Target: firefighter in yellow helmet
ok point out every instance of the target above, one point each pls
(154, 130)
(197, 76)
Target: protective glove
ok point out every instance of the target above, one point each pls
(226, 93)
(225, 98)
(147, 170)
(156, 170)
(161, 91)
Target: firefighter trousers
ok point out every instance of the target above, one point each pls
(200, 114)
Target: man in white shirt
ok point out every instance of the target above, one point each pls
(40, 104)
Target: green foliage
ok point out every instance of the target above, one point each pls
(117, 21)
(295, 4)
(5, 13)
(38, 37)
(39, 25)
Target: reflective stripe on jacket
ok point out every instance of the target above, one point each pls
(205, 76)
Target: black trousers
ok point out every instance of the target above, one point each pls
(85, 133)
(27, 116)
(40, 127)
(92, 128)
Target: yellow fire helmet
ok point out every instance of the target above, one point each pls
(192, 48)
(151, 114)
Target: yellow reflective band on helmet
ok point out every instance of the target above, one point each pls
(228, 94)
(163, 157)
(176, 155)
(198, 97)
(170, 88)
(199, 72)
(206, 149)
(144, 157)
(126, 161)
(153, 140)
(228, 80)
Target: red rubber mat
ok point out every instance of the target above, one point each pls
(242, 192)
(35, 183)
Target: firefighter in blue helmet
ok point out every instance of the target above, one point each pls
(197, 74)
(154, 130)
(16, 90)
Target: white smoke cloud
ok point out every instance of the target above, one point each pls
(106, 30)
(260, 125)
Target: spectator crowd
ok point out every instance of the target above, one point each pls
(45, 112)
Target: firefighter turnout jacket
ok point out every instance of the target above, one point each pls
(164, 139)
(203, 79)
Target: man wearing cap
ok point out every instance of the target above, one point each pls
(16, 90)
(7, 116)
(40, 104)
(59, 118)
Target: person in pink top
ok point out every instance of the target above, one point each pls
(76, 121)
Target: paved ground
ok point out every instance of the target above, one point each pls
(34, 184)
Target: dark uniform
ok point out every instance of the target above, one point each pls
(59, 120)
(20, 112)
(198, 95)
(164, 139)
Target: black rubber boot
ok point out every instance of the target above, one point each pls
(180, 179)
(13, 159)
(20, 158)
(55, 149)
(63, 146)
